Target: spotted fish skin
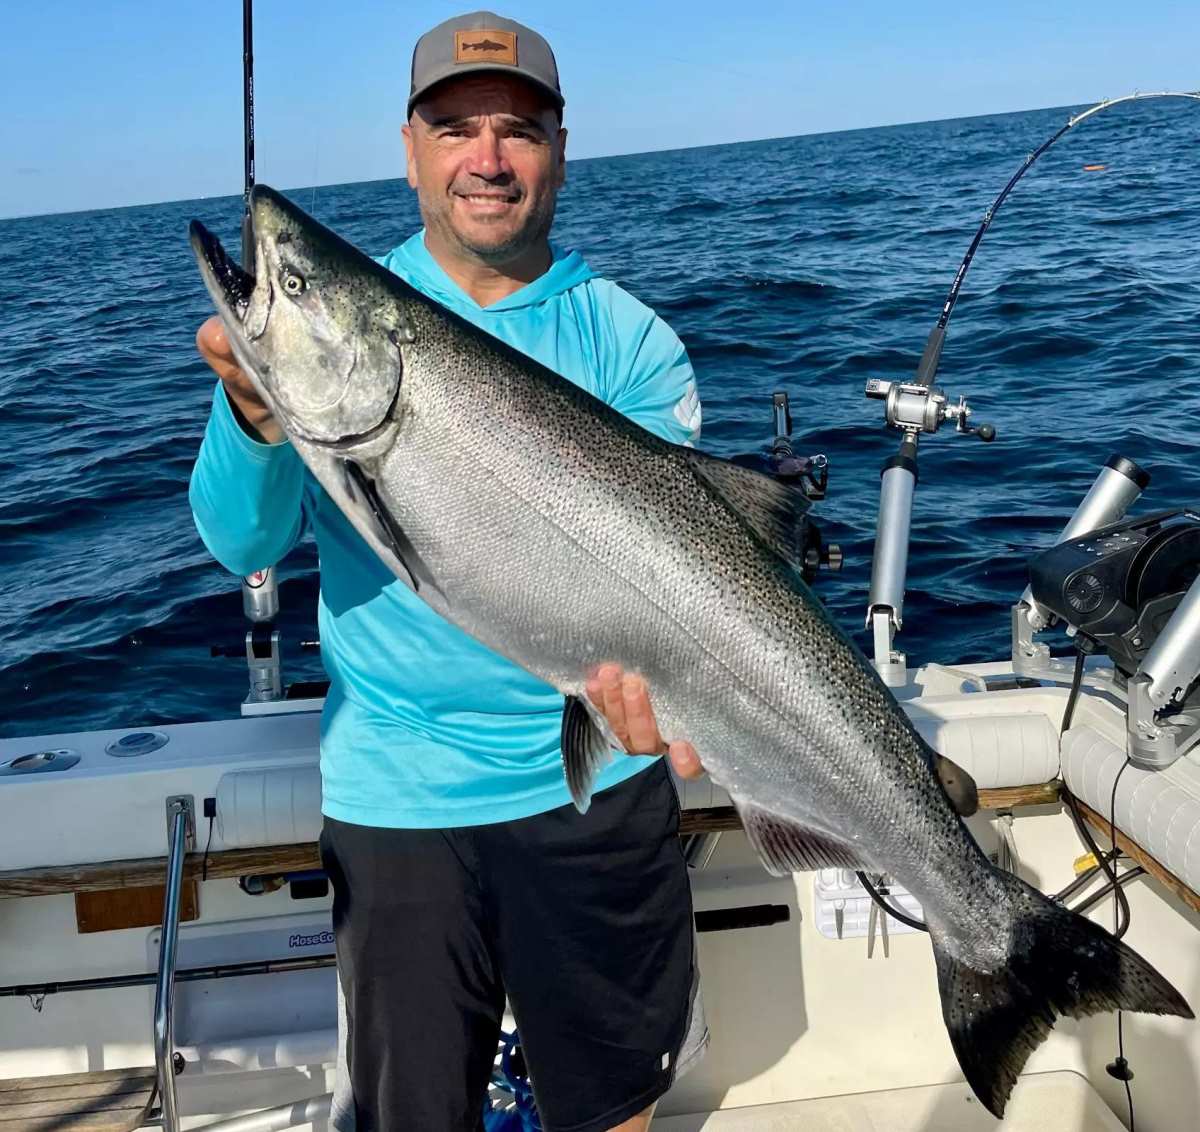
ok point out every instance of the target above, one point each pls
(562, 535)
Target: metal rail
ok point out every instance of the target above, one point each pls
(188, 975)
(294, 1114)
(179, 813)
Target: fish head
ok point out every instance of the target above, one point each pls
(314, 325)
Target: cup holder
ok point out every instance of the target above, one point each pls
(40, 762)
(136, 743)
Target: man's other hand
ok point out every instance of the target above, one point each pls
(625, 701)
(250, 409)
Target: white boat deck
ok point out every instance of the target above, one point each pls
(1045, 1102)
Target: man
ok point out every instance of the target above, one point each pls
(461, 872)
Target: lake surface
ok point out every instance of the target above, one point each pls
(807, 264)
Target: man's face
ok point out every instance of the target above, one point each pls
(486, 157)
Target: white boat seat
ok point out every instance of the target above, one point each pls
(282, 805)
(1159, 810)
(279, 805)
(996, 750)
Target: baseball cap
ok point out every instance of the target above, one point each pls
(482, 41)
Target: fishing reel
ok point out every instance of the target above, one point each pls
(810, 474)
(913, 407)
(1129, 589)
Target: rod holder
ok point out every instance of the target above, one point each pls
(1159, 732)
(1115, 489)
(889, 563)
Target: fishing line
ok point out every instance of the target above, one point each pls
(928, 367)
(312, 204)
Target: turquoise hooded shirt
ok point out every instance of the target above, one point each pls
(424, 727)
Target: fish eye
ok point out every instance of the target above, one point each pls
(293, 283)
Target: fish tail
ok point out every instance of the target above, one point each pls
(1058, 963)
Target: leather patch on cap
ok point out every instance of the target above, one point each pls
(488, 45)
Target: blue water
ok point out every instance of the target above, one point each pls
(806, 264)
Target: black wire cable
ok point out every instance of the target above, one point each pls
(1081, 828)
(1130, 874)
(1105, 860)
(1127, 1076)
(207, 844)
(1122, 1064)
(1076, 681)
(895, 913)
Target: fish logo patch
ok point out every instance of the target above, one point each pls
(687, 412)
(489, 44)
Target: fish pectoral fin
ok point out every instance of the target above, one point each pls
(786, 847)
(774, 510)
(587, 745)
(959, 785)
(361, 489)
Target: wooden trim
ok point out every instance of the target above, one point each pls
(1133, 850)
(269, 860)
(112, 909)
(1009, 797)
(127, 1079)
(146, 871)
(716, 819)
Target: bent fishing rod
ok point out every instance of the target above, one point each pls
(917, 406)
(927, 370)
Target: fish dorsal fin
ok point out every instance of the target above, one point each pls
(587, 745)
(785, 847)
(773, 509)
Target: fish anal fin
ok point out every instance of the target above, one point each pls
(786, 847)
(774, 510)
(586, 747)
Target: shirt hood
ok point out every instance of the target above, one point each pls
(412, 261)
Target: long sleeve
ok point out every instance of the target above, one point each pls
(659, 391)
(246, 496)
(645, 371)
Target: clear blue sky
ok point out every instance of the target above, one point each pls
(108, 103)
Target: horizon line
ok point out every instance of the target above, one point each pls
(572, 161)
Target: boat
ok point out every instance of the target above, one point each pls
(165, 932)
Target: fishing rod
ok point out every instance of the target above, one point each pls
(927, 369)
(260, 589)
(917, 406)
(248, 129)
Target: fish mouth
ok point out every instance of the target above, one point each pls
(230, 284)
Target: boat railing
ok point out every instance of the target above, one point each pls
(181, 836)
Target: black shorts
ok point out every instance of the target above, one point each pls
(584, 922)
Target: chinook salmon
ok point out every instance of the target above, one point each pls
(582, 538)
